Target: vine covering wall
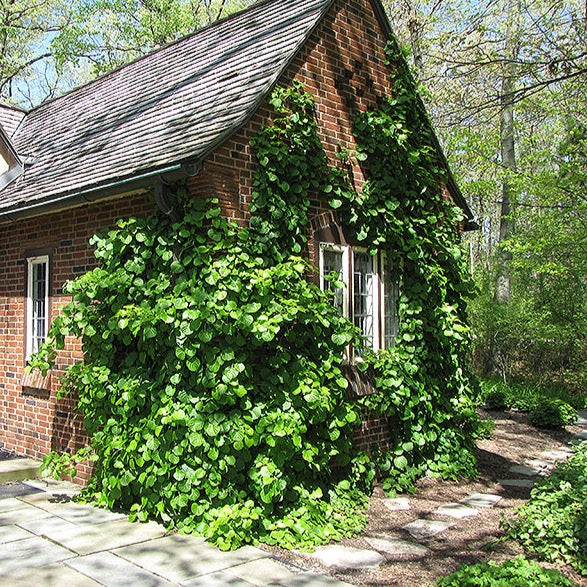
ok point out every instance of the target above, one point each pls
(212, 383)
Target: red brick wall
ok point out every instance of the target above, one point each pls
(342, 65)
(34, 421)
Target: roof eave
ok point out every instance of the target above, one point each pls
(4, 138)
(93, 194)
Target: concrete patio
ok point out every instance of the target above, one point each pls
(48, 540)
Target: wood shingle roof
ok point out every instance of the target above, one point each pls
(173, 106)
(10, 118)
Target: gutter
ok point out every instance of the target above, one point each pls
(86, 196)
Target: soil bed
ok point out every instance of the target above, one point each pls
(470, 540)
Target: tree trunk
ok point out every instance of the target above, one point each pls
(508, 156)
(415, 27)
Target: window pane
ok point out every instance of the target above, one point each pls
(37, 320)
(391, 302)
(364, 280)
(332, 263)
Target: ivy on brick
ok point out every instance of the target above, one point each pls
(422, 384)
(212, 383)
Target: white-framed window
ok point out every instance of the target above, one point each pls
(365, 292)
(335, 259)
(371, 294)
(37, 303)
(390, 294)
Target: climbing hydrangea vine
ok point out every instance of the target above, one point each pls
(422, 384)
(212, 383)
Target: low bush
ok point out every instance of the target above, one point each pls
(551, 413)
(553, 523)
(548, 406)
(518, 572)
(496, 399)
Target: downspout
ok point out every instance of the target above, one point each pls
(167, 202)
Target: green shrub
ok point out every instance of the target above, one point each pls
(525, 395)
(551, 413)
(518, 572)
(212, 386)
(496, 399)
(553, 523)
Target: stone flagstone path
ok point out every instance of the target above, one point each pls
(47, 540)
(396, 548)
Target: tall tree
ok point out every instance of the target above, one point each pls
(25, 26)
(504, 77)
(108, 33)
(508, 155)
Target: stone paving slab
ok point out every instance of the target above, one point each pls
(50, 527)
(18, 469)
(543, 465)
(221, 579)
(346, 557)
(581, 418)
(53, 551)
(87, 539)
(396, 503)
(13, 533)
(179, 558)
(22, 515)
(422, 529)
(262, 572)
(54, 575)
(53, 486)
(456, 510)
(579, 437)
(46, 501)
(32, 552)
(481, 500)
(398, 549)
(556, 455)
(108, 569)
(308, 579)
(525, 470)
(86, 514)
(11, 504)
(521, 483)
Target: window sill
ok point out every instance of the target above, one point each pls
(34, 381)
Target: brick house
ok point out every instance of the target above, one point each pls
(184, 113)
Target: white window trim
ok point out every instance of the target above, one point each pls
(31, 261)
(345, 272)
(376, 295)
(383, 260)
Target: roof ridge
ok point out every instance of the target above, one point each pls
(99, 78)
